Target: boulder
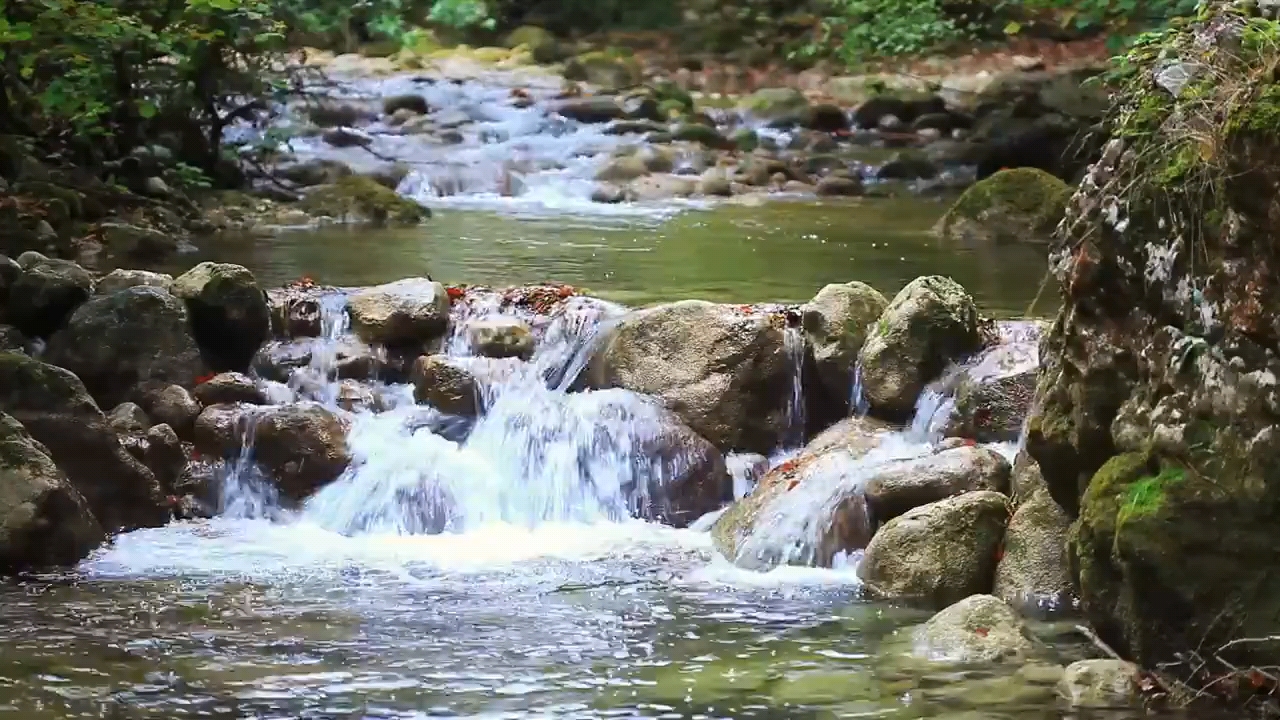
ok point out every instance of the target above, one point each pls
(623, 169)
(415, 104)
(361, 199)
(118, 343)
(593, 109)
(808, 510)
(409, 312)
(1034, 574)
(196, 488)
(838, 186)
(992, 397)
(44, 521)
(704, 135)
(229, 313)
(165, 456)
(171, 405)
(542, 45)
(906, 484)
(445, 385)
(779, 107)
(229, 387)
(929, 324)
(298, 310)
(45, 294)
(58, 411)
(220, 430)
(303, 446)
(661, 187)
(836, 322)
(908, 165)
(724, 371)
(828, 118)
(12, 339)
(136, 242)
(1102, 684)
(939, 553)
(714, 183)
(1016, 205)
(313, 172)
(905, 107)
(977, 629)
(117, 280)
(128, 419)
(606, 70)
(348, 358)
(500, 337)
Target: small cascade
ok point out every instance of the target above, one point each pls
(244, 492)
(859, 405)
(794, 346)
(317, 380)
(935, 405)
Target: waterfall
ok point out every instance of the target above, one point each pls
(244, 492)
(794, 348)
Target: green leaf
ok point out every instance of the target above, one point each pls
(146, 109)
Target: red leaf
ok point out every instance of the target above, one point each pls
(981, 632)
(202, 379)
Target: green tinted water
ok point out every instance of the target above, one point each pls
(778, 251)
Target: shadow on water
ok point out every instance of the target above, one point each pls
(777, 251)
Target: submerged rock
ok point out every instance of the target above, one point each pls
(907, 484)
(413, 311)
(44, 521)
(58, 412)
(1018, 205)
(939, 553)
(724, 371)
(229, 313)
(123, 341)
(836, 322)
(930, 323)
(45, 294)
(977, 629)
(1101, 684)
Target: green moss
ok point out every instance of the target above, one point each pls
(1146, 496)
(1011, 205)
(366, 199)
(1261, 115)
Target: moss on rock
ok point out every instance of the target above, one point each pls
(1017, 205)
(363, 199)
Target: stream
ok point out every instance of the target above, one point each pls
(541, 597)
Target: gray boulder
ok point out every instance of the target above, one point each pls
(128, 419)
(171, 405)
(121, 279)
(229, 313)
(46, 293)
(977, 629)
(939, 553)
(836, 322)
(929, 324)
(303, 446)
(1034, 573)
(230, 387)
(724, 371)
(1101, 685)
(445, 385)
(500, 337)
(120, 342)
(44, 521)
(908, 484)
(413, 311)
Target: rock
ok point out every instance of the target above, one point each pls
(350, 358)
(344, 137)
(745, 139)
(939, 553)
(229, 387)
(827, 118)
(315, 171)
(992, 397)
(413, 311)
(331, 114)
(46, 293)
(500, 337)
(171, 405)
(1018, 205)
(807, 510)
(117, 280)
(197, 487)
(10, 271)
(634, 127)
(229, 313)
(908, 165)
(904, 109)
(608, 194)
(723, 371)
(44, 521)
(303, 446)
(415, 104)
(930, 323)
(136, 242)
(704, 135)
(446, 386)
(60, 414)
(297, 311)
(164, 456)
(623, 169)
(908, 484)
(714, 183)
(1034, 575)
(128, 419)
(605, 70)
(542, 45)
(838, 186)
(1101, 684)
(364, 200)
(355, 396)
(120, 342)
(779, 107)
(12, 340)
(835, 323)
(661, 187)
(977, 629)
(156, 187)
(592, 109)
(219, 430)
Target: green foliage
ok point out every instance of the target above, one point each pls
(873, 28)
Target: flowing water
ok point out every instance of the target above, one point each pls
(495, 568)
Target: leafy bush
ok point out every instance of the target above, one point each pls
(892, 27)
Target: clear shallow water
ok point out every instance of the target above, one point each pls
(775, 252)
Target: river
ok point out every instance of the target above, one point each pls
(541, 599)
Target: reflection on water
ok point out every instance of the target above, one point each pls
(778, 251)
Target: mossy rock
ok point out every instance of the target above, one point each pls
(606, 70)
(541, 44)
(703, 134)
(778, 106)
(1017, 205)
(363, 199)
